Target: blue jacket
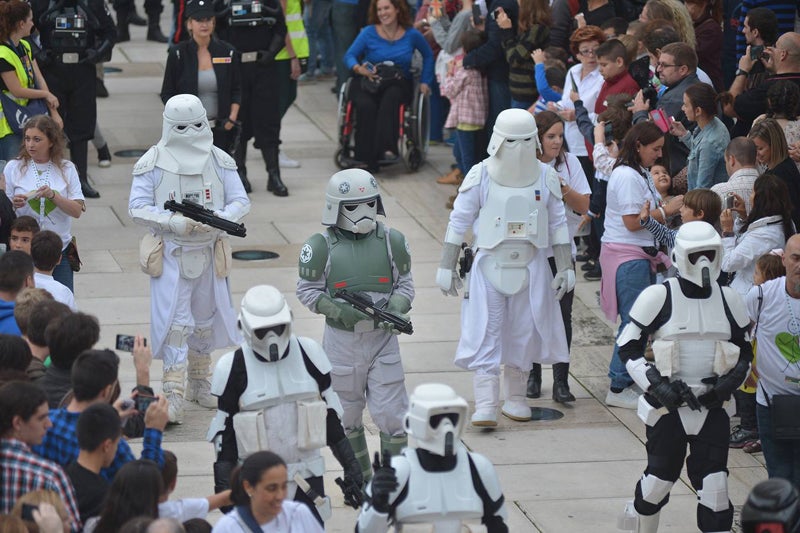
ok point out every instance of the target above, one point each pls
(706, 161)
(8, 324)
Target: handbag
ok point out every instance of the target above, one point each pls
(387, 74)
(17, 115)
(71, 252)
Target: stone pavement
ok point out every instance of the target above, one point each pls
(571, 475)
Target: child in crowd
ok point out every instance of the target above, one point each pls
(550, 76)
(185, 508)
(698, 204)
(745, 434)
(22, 231)
(663, 184)
(45, 250)
(612, 60)
(468, 93)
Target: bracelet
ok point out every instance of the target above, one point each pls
(54, 195)
(663, 214)
(231, 121)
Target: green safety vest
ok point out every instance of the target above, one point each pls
(26, 80)
(297, 32)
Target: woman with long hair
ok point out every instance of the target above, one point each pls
(575, 192)
(707, 142)
(258, 491)
(533, 33)
(629, 254)
(783, 104)
(676, 13)
(768, 226)
(134, 492)
(772, 155)
(44, 185)
(20, 77)
(390, 37)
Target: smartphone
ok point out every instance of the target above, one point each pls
(477, 19)
(608, 131)
(125, 342)
(756, 51)
(143, 401)
(574, 85)
(27, 511)
(730, 201)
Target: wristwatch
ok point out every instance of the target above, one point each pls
(741, 72)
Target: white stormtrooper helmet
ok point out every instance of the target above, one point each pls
(436, 418)
(352, 201)
(266, 322)
(698, 253)
(513, 149)
(186, 136)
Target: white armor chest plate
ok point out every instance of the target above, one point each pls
(206, 189)
(512, 224)
(696, 325)
(270, 384)
(443, 499)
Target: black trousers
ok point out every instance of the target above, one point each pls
(260, 109)
(76, 89)
(377, 119)
(565, 304)
(708, 453)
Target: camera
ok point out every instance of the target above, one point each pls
(650, 95)
(143, 401)
(495, 13)
(608, 131)
(125, 342)
(756, 51)
(730, 201)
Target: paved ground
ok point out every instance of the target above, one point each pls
(569, 475)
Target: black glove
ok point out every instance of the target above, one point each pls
(384, 482)
(353, 479)
(724, 385)
(265, 58)
(92, 57)
(666, 394)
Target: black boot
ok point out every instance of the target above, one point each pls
(123, 34)
(246, 183)
(561, 393)
(274, 183)
(136, 19)
(154, 30)
(535, 381)
(239, 157)
(87, 190)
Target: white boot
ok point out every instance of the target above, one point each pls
(198, 384)
(487, 397)
(172, 385)
(515, 383)
(648, 524)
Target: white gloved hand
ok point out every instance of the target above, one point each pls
(448, 281)
(563, 282)
(182, 225)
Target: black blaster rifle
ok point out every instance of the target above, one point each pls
(368, 308)
(688, 396)
(197, 212)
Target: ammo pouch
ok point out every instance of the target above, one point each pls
(251, 432)
(192, 262)
(151, 255)
(311, 424)
(223, 257)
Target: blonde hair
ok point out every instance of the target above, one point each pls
(54, 134)
(37, 497)
(675, 12)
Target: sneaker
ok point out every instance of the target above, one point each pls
(582, 257)
(104, 157)
(627, 399)
(284, 161)
(306, 78)
(590, 264)
(199, 391)
(741, 436)
(754, 446)
(594, 275)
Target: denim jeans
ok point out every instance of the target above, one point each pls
(782, 456)
(632, 278)
(464, 150)
(9, 146)
(519, 104)
(63, 273)
(345, 30)
(440, 107)
(499, 101)
(317, 21)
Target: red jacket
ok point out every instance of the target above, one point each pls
(622, 84)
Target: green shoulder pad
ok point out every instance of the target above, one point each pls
(400, 252)
(313, 257)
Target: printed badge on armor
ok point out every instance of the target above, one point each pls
(306, 253)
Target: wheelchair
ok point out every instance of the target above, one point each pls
(412, 139)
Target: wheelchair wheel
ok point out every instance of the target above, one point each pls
(416, 131)
(345, 122)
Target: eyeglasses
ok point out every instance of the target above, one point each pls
(588, 53)
(664, 65)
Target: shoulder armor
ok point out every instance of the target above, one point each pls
(648, 304)
(222, 370)
(313, 257)
(147, 162)
(472, 178)
(552, 182)
(488, 475)
(400, 251)
(737, 307)
(315, 354)
(223, 159)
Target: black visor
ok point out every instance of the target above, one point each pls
(435, 420)
(694, 257)
(260, 333)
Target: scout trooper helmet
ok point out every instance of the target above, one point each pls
(698, 253)
(436, 418)
(352, 201)
(266, 322)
